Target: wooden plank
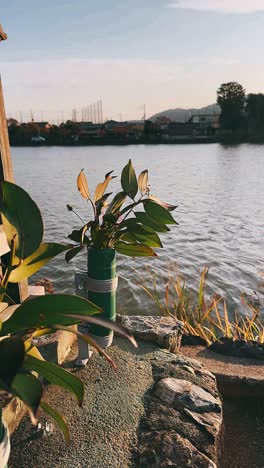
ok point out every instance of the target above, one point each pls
(6, 171)
(18, 292)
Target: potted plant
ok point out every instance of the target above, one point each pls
(21, 364)
(128, 224)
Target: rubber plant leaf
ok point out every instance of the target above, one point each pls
(129, 180)
(21, 219)
(145, 235)
(58, 418)
(56, 375)
(29, 389)
(78, 235)
(143, 182)
(165, 205)
(102, 186)
(47, 311)
(72, 253)
(143, 218)
(134, 250)
(116, 203)
(46, 252)
(12, 353)
(82, 185)
(158, 213)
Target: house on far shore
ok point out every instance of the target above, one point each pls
(208, 124)
(198, 126)
(162, 122)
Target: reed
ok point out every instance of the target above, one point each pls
(207, 317)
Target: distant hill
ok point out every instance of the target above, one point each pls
(181, 115)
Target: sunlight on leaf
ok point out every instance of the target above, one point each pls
(82, 185)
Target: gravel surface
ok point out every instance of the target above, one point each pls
(104, 432)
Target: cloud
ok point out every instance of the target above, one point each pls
(221, 6)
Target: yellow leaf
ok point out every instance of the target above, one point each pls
(163, 204)
(143, 181)
(101, 188)
(82, 185)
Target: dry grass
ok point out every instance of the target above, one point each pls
(208, 319)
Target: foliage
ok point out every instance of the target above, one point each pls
(130, 232)
(255, 112)
(231, 98)
(208, 319)
(21, 364)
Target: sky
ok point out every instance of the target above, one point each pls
(65, 54)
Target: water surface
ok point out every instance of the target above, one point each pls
(220, 193)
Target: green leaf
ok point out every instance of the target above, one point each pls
(129, 180)
(29, 390)
(116, 203)
(77, 235)
(33, 263)
(150, 222)
(56, 375)
(145, 235)
(47, 311)
(158, 213)
(21, 218)
(12, 353)
(127, 237)
(72, 253)
(143, 181)
(134, 250)
(57, 418)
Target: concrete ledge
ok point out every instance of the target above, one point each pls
(236, 377)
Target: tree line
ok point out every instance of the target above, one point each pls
(242, 114)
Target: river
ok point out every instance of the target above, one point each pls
(220, 193)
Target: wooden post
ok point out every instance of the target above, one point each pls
(18, 292)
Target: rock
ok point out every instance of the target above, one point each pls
(178, 366)
(167, 448)
(163, 331)
(239, 348)
(193, 340)
(183, 420)
(183, 394)
(211, 421)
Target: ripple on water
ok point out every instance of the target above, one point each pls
(219, 191)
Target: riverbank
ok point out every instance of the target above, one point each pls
(116, 142)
